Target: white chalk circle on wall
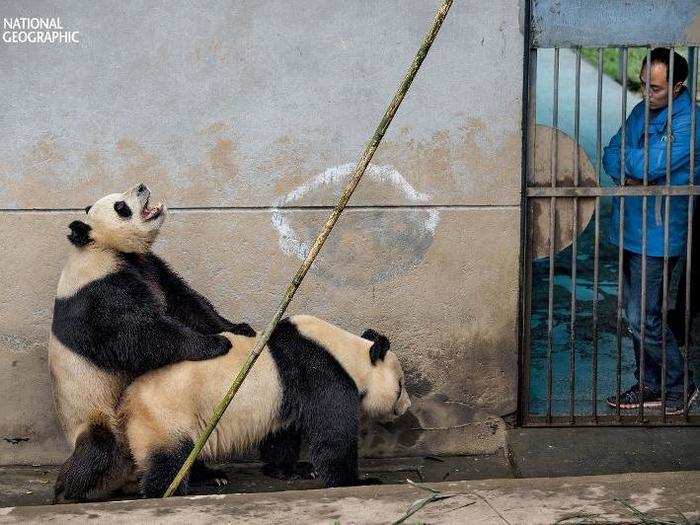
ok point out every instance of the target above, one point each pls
(372, 246)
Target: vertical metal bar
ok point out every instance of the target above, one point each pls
(667, 205)
(552, 233)
(574, 241)
(621, 230)
(621, 69)
(596, 247)
(529, 142)
(643, 299)
(692, 59)
(524, 416)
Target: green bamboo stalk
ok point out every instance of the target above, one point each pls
(360, 168)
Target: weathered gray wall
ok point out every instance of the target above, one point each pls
(610, 23)
(231, 108)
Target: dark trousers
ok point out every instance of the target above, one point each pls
(653, 332)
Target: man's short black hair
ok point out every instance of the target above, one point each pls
(661, 55)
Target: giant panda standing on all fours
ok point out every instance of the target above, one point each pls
(119, 312)
(310, 383)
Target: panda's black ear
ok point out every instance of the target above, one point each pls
(79, 233)
(380, 347)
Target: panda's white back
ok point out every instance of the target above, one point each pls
(178, 400)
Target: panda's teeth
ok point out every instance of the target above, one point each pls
(146, 212)
(149, 213)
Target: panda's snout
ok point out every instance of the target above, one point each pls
(402, 406)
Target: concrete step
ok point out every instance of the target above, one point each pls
(620, 498)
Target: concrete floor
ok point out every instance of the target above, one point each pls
(531, 453)
(621, 498)
(29, 485)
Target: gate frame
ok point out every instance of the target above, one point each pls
(542, 31)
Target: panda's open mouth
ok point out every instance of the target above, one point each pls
(148, 214)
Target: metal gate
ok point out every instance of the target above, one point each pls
(576, 348)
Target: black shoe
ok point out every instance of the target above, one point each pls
(675, 404)
(631, 399)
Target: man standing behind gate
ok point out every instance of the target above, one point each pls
(650, 392)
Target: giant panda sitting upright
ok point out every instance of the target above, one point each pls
(310, 382)
(119, 312)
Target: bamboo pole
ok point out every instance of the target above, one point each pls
(360, 168)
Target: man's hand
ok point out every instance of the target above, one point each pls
(629, 181)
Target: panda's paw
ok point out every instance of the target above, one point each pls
(60, 497)
(302, 470)
(243, 329)
(59, 494)
(67, 487)
(203, 474)
(220, 482)
(305, 470)
(217, 346)
(276, 472)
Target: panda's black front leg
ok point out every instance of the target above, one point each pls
(148, 342)
(203, 474)
(238, 328)
(332, 430)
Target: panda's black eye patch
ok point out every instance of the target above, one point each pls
(122, 209)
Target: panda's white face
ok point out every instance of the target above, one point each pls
(386, 398)
(124, 221)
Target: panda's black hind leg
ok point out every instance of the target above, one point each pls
(279, 453)
(98, 463)
(162, 466)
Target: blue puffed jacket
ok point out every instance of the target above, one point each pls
(634, 169)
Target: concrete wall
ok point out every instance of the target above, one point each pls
(611, 23)
(231, 109)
